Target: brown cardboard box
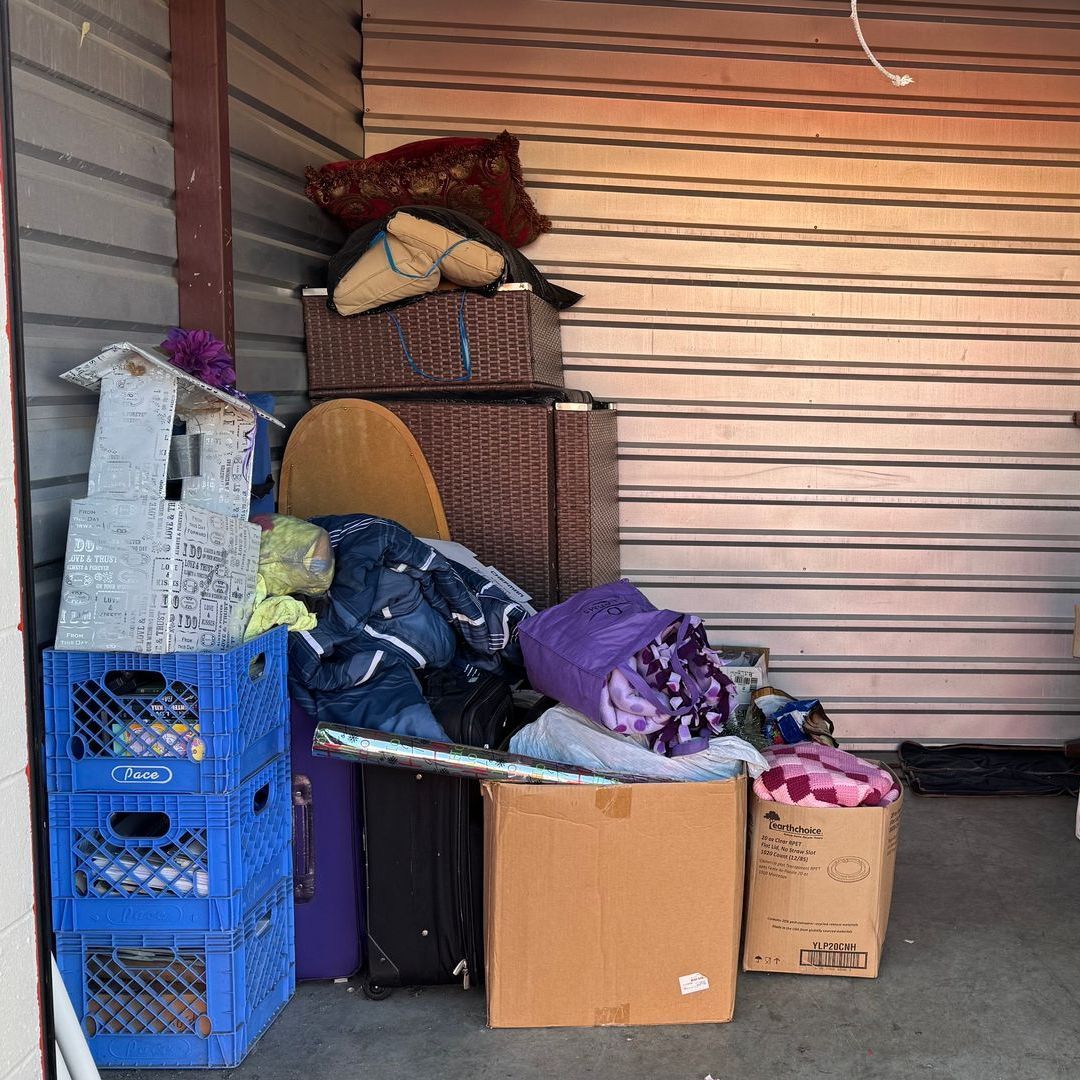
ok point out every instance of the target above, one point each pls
(820, 887)
(613, 905)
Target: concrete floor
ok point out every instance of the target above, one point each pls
(981, 981)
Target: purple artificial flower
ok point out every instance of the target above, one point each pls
(201, 354)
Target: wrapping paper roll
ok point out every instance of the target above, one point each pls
(422, 755)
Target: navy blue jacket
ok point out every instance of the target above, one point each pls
(396, 607)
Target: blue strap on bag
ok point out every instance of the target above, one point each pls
(463, 332)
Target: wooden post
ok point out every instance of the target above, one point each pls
(200, 100)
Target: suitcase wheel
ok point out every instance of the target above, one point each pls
(372, 990)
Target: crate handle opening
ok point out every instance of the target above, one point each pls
(76, 748)
(148, 958)
(135, 684)
(257, 667)
(204, 1026)
(140, 825)
(260, 799)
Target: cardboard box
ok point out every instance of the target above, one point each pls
(748, 676)
(820, 887)
(141, 393)
(613, 906)
(130, 456)
(151, 576)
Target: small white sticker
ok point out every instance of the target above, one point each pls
(693, 984)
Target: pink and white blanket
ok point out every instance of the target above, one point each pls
(809, 774)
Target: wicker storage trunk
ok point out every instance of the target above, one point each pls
(513, 336)
(529, 484)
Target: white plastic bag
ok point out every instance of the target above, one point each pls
(569, 737)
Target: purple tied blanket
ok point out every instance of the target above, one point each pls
(674, 689)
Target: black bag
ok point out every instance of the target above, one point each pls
(423, 850)
(981, 769)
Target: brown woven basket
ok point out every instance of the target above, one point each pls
(529, 486)
(514, 342)
(586, 497)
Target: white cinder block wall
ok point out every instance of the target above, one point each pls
(20, 1034)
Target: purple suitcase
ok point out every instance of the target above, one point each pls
(328, 868)
(303, 840)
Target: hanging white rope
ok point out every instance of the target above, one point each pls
(896, 80)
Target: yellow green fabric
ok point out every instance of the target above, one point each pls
(273, 611)
(295, 557)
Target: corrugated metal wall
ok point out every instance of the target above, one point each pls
(93, 112)
(839, 319)
(92, 104)
(295, 100)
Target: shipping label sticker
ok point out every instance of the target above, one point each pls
(746, 679)
(693, 984)
(836, 956)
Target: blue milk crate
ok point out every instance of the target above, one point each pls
(180, 999)
(193, 723)
(188, 862)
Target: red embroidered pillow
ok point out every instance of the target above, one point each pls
(478, 177)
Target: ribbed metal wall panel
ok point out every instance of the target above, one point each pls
(840, 320)
(93, 117)
(295, 100)
(92, 109)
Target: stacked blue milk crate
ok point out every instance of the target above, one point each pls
(170, 826)
(167, 735)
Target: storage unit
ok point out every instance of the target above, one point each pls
(839, 320)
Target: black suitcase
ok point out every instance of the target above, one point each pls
(423, 850)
